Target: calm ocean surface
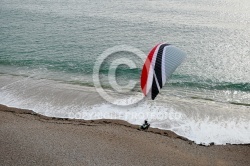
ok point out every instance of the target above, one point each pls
(48, 49)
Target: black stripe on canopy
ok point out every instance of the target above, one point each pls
(158, 64)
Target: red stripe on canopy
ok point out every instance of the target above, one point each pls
(145, 70)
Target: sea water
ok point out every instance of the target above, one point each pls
(48, 50)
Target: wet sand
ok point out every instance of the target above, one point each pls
(28, 138)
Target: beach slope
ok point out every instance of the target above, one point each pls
(27, 138)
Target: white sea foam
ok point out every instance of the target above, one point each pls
(198, 120)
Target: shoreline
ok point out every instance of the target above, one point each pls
(28, 138)
(58, 120)
(181, 115)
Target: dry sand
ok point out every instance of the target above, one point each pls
(27, 138)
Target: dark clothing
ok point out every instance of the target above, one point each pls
(145, 126)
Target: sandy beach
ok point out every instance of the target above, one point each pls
(27, 138)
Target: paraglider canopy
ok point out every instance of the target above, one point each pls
(161, 62)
